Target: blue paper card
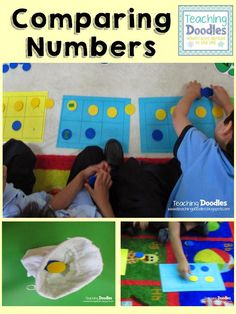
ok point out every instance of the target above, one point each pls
(89, 121)
(157, 133)
(207, 274)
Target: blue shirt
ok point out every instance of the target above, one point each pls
(206, 186)
(14, 201)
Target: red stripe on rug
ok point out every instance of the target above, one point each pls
(173, 298)
(61, 162)
(231, 225)
(229, 284)
(170, 257)
(202, 239)
(130, 282)
(54, 162)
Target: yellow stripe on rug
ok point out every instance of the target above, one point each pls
(50, 180)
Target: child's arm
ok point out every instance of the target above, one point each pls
(100, 193)
(180, 114)
(174, 232)
(65, 197)
(221, 98)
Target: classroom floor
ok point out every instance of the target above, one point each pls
(141, 284)
(107, 80)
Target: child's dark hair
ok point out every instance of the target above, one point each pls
(230, 146)
(33, 210)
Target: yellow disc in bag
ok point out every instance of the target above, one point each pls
(56, 267)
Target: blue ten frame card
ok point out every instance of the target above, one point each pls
(89, 121)
(207, 274)
(157, 133)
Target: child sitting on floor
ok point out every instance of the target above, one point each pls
(197, 183)
(73, 201)
(205, 188)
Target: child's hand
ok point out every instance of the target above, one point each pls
(104, 166)
(183, 268)
(100, 192)
(91, 170)
(193, 90)
(180, 114)
(221, 98)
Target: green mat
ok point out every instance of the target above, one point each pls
(18, 237)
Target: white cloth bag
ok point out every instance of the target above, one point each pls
(83, 264)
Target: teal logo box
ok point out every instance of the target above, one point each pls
(205, 30)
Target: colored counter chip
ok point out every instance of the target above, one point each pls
(160, 114)
(200, 112)
(193, 278)
(90, 133)
(16, 125)
(217, 112)
(72, 105)
(49, 103)
(66, 134)
(18, 106)
(209, 279)
(55, 267)
(35, 102)
(112, 112)
(157, 135)
(130, 109)
(93, 110)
